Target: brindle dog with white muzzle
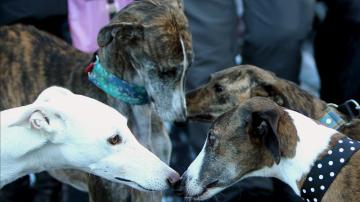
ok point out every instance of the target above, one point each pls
(260, 138)
(147, 44)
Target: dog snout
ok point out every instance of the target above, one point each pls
(212, 184)
(179, 187)
(182, 116)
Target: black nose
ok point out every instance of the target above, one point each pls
(179, 186)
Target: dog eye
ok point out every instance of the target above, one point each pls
(218, 88)
(114, 140)
(211, 138)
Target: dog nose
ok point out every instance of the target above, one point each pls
(179, 187)
(173, 178)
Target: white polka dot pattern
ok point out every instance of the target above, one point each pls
(325, 170)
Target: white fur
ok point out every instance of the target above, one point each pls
(178, 100)
(192, 184)
(75, 137)
(314, 138)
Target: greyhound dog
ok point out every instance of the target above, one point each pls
(260, 138)
(64, 130)
(146, 48)
(233, 86)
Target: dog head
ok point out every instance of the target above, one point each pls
(230, 87)
(150, 43)
(255, 135)
(94, 137)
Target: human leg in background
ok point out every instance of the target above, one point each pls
(337, 51)
(274, 34)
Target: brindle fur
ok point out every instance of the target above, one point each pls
(141, 45)
(236, 144)
(242, 82)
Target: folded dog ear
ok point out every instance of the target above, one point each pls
(264, 129)
(125, 31)
(269, 91)
(38, 120)
(49, 123)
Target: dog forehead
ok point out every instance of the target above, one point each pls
(230, 121)
(239, 115)
(83, 109)
(167, 45)
(256, 104)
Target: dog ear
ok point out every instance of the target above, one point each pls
(48, 123)
(39, 121)
(264, 129)
(125, 32)
(269, 91)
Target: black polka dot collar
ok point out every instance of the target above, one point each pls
(324, 171)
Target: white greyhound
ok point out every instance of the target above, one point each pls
(65, 130)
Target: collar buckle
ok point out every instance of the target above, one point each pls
(350, 108)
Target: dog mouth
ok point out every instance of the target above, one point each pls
(205, 193)
(126, 181)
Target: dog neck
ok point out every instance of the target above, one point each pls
(23, 150)
(112, 85)
(314, 139)
(308, 105)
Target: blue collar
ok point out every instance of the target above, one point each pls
(114, 86)
(332, 119)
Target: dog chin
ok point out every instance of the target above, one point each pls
(171, 115)
(141, 188)
(208, 193)
(136, 185)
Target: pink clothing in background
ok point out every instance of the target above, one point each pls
(86, 18)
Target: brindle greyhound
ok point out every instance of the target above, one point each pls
(146, 44)
(233, 86)
(260, 138)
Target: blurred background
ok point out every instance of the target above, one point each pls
(315, 44)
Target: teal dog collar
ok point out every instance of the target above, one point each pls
(332, 119)
(114, 86)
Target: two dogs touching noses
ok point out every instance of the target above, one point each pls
(257, 138)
